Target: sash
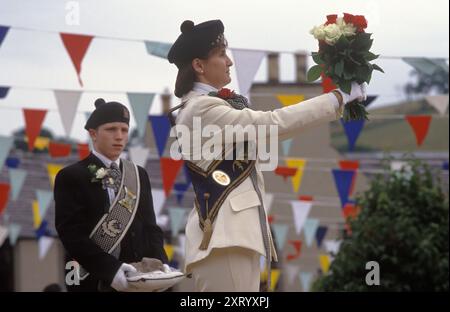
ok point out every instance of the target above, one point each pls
(113, 226)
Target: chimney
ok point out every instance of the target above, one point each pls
(165, 100)
(300, 66)
(273, 67)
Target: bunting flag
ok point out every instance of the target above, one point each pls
(369, 100)
(268, 200)
(44, 198)
(332, 246)
(36, 215)
(161, 130)
(305, 279)
(247, 63)
(52, 170)
(4, 195)
(16, 180)
(320, 234)
(290, 99)
(287, 146)
(158, 200)
(156, 48)
(139, 155)
(169, 171)
(297, 247)
(42, 230)
(67, 102)
(274, 277)
(33, 124)
(352, 131)
(181, 244)
(343, 180)
(350, 165)
(3, 33)
(180, 189)
(270, 219)
(285, 172)
(177, 219)
(76, 46)
(445, 165)
(439, 102)
(162, 221)
(83, 150)
(11, 162)
(300, 210)
(327, 84)
(140, 104)
(168, 248)
(41, 143)
(3, 234)
(300, 165)
(427, 66)
(280, 231)
(44, 245)
(3, 91)
(291, 272)
(420, 125)
(309, 230)
(5, 147)
(59, 149)
(324, 263)
(14, 232)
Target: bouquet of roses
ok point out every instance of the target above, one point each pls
(344, 57)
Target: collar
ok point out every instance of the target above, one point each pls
(105, 160)
(203, 88)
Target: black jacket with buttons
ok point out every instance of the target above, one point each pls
(80, 204)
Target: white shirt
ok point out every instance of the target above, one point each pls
(203, 88)
(107, 162)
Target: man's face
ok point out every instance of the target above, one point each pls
(110, 139)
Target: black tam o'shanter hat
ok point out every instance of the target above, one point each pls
(106, 112)
(195, 41)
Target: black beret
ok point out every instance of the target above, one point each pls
(195, 41)
(107, 112)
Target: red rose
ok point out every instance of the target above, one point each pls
(225, 93)
(331, 19)
(360, 22)
(348, 18)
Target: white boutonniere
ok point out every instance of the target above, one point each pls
(108, 177)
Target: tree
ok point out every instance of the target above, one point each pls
(403, 225)
(426, 83)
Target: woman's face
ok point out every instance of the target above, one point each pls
(215, 70)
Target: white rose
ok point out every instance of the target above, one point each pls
(332, 34)
(100, 173)
(318, 32)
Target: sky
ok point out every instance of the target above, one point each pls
(33, 59)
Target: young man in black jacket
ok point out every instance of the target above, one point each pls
(104, 208)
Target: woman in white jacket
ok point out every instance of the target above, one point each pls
(227, 231)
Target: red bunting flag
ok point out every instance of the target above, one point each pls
(76, 46)
(305, 198)
(327, 84)
(285, 172)
(4, 194)
(420, 125)
(169, 172)
(350, 165)
(33, 124)
(350, 211)
(270, 218)
(297, 245)
(59, 149)
(83, 150)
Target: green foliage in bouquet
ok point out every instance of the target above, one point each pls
(403, 225)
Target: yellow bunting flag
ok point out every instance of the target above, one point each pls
(41, 143)
(36, 215)
(300, 165)
(53, 170)
(274, 277)
(169, 251)
(324, 263)
(290, 99)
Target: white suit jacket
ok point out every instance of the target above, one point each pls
(237, 222)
